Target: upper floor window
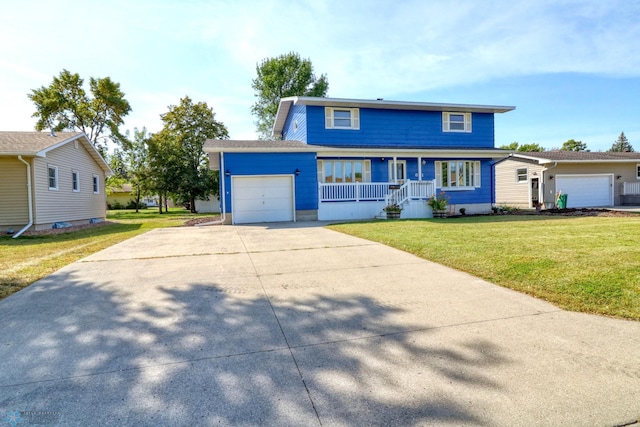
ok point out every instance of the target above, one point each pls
(96, 186)
(75, 181)
(458, 174)
(456, 122)
(344, 170)
(342, 118)
(53, 177)
(638, 171)
(521, 175)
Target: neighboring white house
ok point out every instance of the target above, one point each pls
(50, 178)
(589, 179)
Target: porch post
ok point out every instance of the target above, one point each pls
(395, 170)
(419, 168)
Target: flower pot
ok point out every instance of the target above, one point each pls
(393, 215)
(440, 213)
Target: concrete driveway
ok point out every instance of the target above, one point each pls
(300, 325)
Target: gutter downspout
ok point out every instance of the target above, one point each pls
(223, 196)
(29, 202)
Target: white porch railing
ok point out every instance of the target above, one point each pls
(411, 190)
(630, 188)
(372, 191)
(353, 191)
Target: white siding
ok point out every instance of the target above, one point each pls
(509, 191)
(65, 204)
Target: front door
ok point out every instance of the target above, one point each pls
(535, 192)
(400, 171)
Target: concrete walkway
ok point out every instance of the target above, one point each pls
(299, 325)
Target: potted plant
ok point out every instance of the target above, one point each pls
(393, 211)
(439, 204)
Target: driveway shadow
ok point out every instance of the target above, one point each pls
(200, 353)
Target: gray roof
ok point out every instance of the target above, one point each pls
(258, 146)
(286, 103)
(579, 156)
(37, 144)
(32, 143)
(216, 145)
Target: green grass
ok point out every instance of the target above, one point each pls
(29, 258)
(587, 264)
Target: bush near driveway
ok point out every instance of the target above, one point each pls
(587, 264)
(29, 258)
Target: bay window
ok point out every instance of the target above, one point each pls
(458, 174)
(344, 171)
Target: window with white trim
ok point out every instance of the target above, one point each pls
(637, 171)
(342, 118)
(344, 171)
(521, 175)
(96, 184)
(458, 174)
(53, 177)
(75, 181)
(456, 122)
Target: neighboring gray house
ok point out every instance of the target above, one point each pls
(590, 179)
(45, 179)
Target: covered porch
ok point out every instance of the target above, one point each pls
(366, 200)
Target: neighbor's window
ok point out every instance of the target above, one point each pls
(521, 175)
(342, 118)
(344, 170)
(96, 185)
(458, 174)
(75, 181)
(638, 171)
(456, 122)
(53, 177)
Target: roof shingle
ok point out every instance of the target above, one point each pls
(31, 143)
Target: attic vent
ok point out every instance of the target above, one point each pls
(75, 144)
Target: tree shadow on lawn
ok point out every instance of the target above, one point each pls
(203, 354)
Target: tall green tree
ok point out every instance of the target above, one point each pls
(622, 144)
(573, 145)
(178, 147)
(285, 75)
(515, 146)
(65, 104)
(135, 154)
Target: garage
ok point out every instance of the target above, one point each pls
(263, 198)
(586, 190)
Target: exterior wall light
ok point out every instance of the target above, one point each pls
(297, 172)
(227, 173)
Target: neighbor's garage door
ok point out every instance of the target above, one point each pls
(262, 199)
(586, 190)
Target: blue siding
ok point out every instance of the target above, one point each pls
(306, 183)
(399, 128)
(297, 114)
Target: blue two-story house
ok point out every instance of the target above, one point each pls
(341, 159)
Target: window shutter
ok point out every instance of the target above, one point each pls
(438, 174)
(355, 113)
(476, 175)
(445, 122)
(328, 117)
(467, 122)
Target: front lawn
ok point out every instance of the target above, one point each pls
(588, 264)
(29, 258)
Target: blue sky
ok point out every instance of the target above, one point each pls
(571, 68)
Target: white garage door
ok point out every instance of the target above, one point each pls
(586, 190)
(265, 198)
